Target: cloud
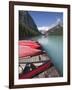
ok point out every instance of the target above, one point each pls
(56, 23)
(58, 20)
(46, 28)
(43, 28)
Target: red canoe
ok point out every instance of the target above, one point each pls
(28, 51)
(36, 71)
(28, 41)
(31, 44)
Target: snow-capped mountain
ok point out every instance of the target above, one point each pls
(57, 29)
(47, 29)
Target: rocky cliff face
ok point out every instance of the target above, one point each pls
(56, 30)
(27, 26)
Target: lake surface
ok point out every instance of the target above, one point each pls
(53, 45)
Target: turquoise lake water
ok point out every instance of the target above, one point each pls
(53, 45)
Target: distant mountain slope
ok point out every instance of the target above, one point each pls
(56, 30)
(27, 26)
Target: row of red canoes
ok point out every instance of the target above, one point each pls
(28, 48)
(36, 71)
(32, 48)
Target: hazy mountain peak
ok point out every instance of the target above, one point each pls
(44, 29)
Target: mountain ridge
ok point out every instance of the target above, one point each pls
(27, 26)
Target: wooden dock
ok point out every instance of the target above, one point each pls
(36, 66)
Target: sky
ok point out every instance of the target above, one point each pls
(45, 20)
